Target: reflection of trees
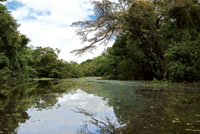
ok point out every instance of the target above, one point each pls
(47, 92)
(103, 126)
(16, 100)
(142, 109)
(151, 110)
(119, 95)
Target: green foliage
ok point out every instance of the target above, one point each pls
(48, 65)
(183, 57)
(18, 61)
(159, 40)
(156, 40)
(13, 49)
(89, 67)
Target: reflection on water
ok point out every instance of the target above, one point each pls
(46, 107)
(60, 118)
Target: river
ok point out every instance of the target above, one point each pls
(137, 107)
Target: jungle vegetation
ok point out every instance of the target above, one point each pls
(154, 39)
(19, 61)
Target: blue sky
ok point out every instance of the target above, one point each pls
(14, 5)
(47, 23)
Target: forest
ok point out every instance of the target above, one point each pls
(18, 61)
(154, 40)
(157, 39)
(148, 81)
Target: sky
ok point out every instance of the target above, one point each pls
(47, 23)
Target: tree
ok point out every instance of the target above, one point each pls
(13, 46)
(46, 60)
(18, 61)
(107, 24)
(150, 27)
(48, 65)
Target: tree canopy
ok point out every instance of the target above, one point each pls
(113, 18)
(18, 60)
(154, 39)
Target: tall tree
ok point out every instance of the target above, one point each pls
(13, 46)
(112, 18)
(151, 27)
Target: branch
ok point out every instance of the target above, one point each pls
(95, 40)
(105, 26)
(95, 121)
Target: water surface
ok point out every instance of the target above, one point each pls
(47, 107)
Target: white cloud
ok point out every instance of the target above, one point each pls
(53, 27)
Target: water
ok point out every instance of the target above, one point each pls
(48, 107)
